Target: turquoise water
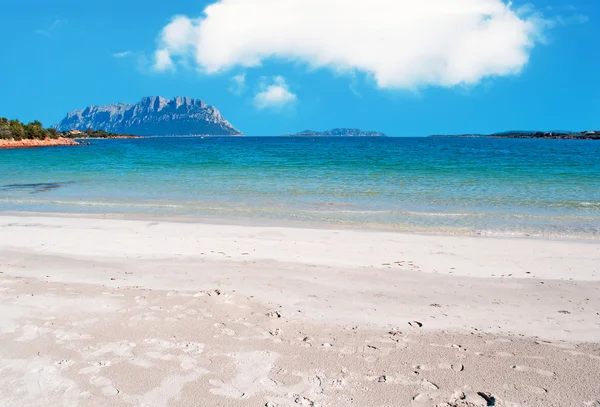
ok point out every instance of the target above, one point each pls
(472, 186)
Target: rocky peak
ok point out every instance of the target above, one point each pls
(152, 115)
(154, 103)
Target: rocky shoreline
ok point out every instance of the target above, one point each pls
(32, 143)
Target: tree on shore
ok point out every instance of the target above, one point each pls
(15, 130)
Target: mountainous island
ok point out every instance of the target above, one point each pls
(14, 134)
(559, 135)
(152, 116)
(338, 133)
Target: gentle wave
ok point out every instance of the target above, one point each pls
(254, 207)
(91, 203)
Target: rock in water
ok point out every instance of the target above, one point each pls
(152, 116)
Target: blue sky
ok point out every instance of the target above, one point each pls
(537, 70)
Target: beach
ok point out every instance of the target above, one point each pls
(300, 203)
(119, 312)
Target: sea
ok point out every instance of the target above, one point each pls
(465, 186)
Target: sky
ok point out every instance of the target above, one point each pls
(402, 67)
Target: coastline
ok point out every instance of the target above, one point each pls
(107, 138)
(58, 142)
(307, 224)
(34, 143)
(224, 309)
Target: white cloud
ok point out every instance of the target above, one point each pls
(121, 54)
(238, 84)
(275, 95)
(176, 39)
(400, 43)
(163, 61)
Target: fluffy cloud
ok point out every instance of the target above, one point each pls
(275, 95)
(163, 61)
(400, 43)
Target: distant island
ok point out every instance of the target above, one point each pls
(558, 135)
(14, 134)
(337, 133)
(152, 116)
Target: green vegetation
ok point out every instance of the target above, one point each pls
(14, 129)
(89, 133)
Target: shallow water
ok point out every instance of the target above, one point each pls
(486, 186)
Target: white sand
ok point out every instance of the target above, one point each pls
(99, 312)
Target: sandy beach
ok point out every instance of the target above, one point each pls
(114, 312)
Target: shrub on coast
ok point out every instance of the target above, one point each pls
(90, 133)
(15, 130)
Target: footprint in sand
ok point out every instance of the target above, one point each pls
(214, 293)
(426, 384)
(304, 401)
(531, 369)
(64, 363)
(535, 390)
(575, 353)
(471, 399)
(95, 367)
(192, 347)
(110, 391)
(422, 398)
(224, 330)
(499, 340)
(100, 381)
(275, 332)
(457, 367)
(273, 314)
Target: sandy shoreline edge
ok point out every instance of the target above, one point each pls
(302, 224)
(380, 318)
